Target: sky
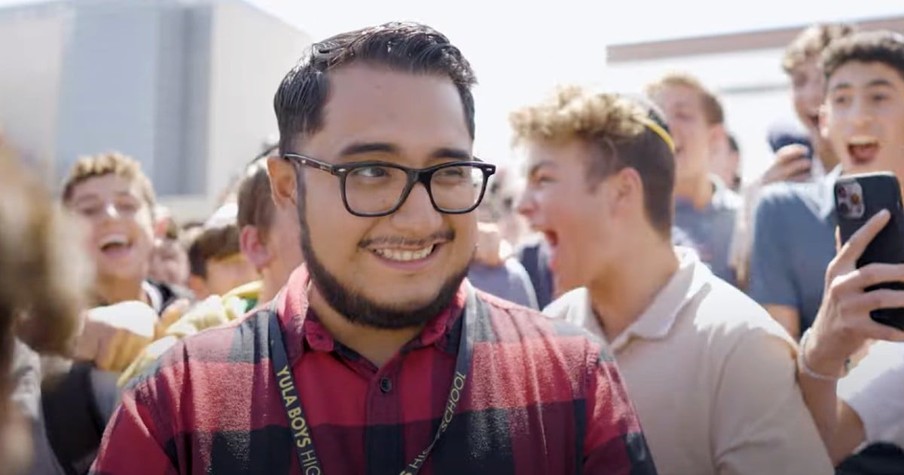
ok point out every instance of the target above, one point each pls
(520, 51)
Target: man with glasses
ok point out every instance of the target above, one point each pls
(378, 357)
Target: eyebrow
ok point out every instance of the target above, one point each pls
(537, 166)
(456, 153)
(880, 82)
(85, 199)
(360, 148)
(94, 197)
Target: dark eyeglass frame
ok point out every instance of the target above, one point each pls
(414, 176)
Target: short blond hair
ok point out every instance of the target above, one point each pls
(810, 43)
(574, 113)
(712, 106)
(110, 163)
(620, 130)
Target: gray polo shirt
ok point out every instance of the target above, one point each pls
(509, 281)
(26, 376)
(793, 242)
(711, 229)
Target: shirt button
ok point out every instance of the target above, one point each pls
(385, 385)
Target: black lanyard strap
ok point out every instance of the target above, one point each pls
(298, 424)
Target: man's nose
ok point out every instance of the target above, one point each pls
(417, 214)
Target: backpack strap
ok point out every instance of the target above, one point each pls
(74, 422)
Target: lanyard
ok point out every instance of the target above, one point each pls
(298, 424)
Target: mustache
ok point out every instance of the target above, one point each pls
(441, 236)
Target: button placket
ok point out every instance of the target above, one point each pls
(384, 439)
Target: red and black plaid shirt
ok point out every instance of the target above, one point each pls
(541, 398)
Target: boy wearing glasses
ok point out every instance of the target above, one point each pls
(378, 357)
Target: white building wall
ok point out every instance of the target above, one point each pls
(30, 82)
(185, 86)
(250, 55)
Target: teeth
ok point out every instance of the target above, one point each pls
(402, 255)
(863, 140)
(109, 239)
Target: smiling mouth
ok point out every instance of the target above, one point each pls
(863, 149)
(114, 243)
(405, 255)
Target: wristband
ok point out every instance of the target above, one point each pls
(805, 368)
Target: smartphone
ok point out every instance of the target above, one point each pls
(857, 199)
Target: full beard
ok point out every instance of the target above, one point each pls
(361, 310)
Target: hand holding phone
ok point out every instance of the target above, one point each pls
(844, 323)
(857, 199)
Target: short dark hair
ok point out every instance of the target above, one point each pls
(881, 46)
(213, 243)
(407, 47)
(622, 133)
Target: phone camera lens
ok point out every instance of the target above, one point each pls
(844, 208)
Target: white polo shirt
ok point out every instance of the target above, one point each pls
(712, 378)
(875, 391)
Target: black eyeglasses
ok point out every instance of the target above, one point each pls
(373, 188)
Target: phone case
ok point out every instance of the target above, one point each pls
(857, 199)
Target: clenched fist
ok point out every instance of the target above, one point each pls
(113, 335)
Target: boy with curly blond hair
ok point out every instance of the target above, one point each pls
(711, 375)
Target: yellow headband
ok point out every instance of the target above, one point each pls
(656, 128)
